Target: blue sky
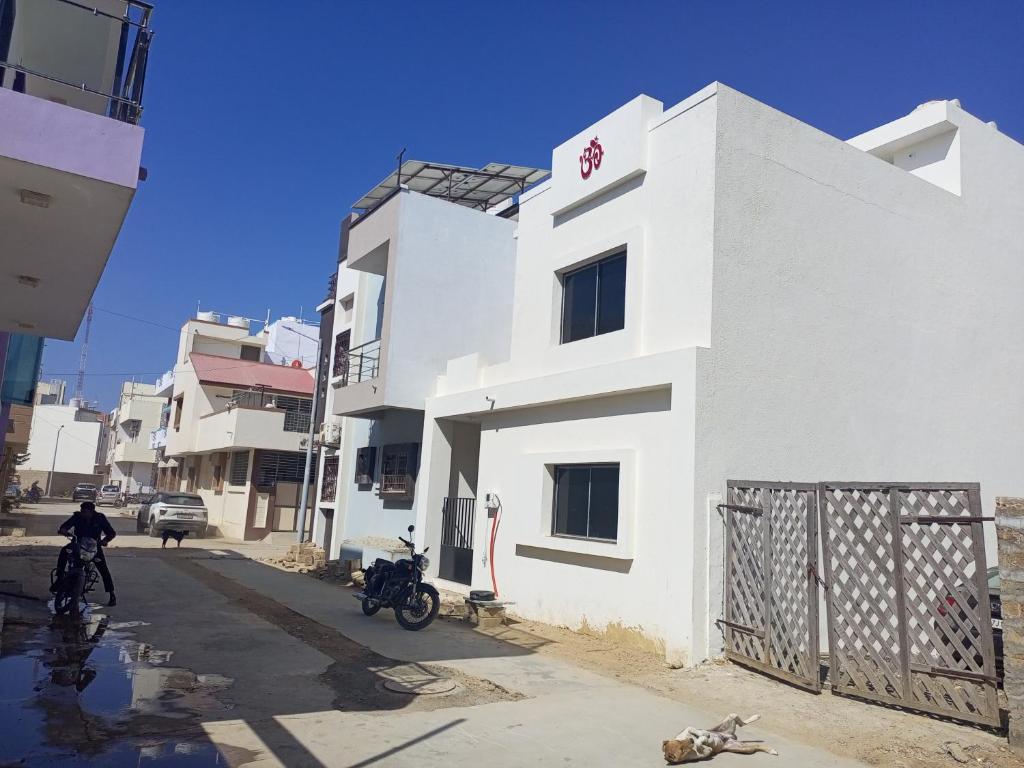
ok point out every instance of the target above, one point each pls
(266, 120)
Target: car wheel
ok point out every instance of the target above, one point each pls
(152, 528)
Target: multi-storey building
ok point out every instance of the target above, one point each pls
(130, 459)
(71, 81)
(444, 250)
(709, 291)
(237, 428)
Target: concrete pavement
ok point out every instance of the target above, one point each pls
(211, 658)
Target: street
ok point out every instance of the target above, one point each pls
(214, 658)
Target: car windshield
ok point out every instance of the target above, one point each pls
(183, 500)
(86, 486)
(109, 488)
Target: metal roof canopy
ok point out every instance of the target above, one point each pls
(494, 183)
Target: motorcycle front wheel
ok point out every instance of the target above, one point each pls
(420, 609)
(370, 606)
(69, 596)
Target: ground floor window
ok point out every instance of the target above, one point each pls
(280, 467)
(586, 503)
(239, 468)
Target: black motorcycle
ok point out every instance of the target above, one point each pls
(400, 586)
(79, 577)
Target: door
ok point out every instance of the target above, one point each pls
(456, 563)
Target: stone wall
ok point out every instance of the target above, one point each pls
(1010, 534)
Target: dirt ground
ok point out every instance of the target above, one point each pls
(874, 734)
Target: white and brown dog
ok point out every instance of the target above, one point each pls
(699, 744)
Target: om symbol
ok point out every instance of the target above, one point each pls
(590, 160)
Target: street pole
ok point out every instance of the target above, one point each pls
(53, 465)
(301, 527)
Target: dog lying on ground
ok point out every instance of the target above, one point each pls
(698, 744)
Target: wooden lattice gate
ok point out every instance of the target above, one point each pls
(908, 604)
(771, 599)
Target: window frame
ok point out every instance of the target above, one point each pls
(235, 466)
(595, 264)
(590, 465)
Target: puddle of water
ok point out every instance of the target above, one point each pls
(69, 691)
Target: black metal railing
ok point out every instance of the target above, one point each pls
(75, 54)
(457, 518)
(359, 363)
(332, 286)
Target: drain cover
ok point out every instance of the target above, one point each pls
(416, 682)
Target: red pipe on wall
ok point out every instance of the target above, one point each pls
(494, 535)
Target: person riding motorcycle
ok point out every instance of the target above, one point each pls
(34, 493)
(88, 523)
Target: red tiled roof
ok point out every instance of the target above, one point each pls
(232, 372)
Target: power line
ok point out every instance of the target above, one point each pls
(137, 319)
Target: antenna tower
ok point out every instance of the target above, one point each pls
(80, 383)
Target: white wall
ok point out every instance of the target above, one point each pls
(867, 323)
(291, 339)
(76, 448)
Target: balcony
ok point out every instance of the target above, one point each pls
(134, 451)
(352, 376)
(165, 385)
(88, 58)
(70, 150)
(158, 438)
(240, 426)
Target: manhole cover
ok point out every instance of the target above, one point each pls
(415, 683)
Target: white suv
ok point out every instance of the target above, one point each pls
(172, 511)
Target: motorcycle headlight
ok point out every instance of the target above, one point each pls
(87, 549)
(423, 563)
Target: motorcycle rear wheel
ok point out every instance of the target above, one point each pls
(425, 605)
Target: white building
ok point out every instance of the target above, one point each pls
(421, 280)
(710, 291)
(290, 339)
(63, 438)
(237, 428)
(130, 457)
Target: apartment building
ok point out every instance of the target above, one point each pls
(62, 447)
(130, 459)
(236, 429)
(441, 251)
(708, 291)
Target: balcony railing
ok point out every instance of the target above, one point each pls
(75, 54)
(358, 364)
(332, 286)
(297, 410)
(158, 437)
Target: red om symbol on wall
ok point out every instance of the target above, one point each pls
(590, 160)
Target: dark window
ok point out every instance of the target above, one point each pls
(250, 352)
(586, 503)
(341, 345)
(329, 486)
(280, 467)
(594, 299)
(239, 468)
(366, 465)
(297, 412)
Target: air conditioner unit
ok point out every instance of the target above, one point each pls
(330, 434)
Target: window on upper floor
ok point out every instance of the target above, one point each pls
(594, 299)
(250, 352)
(586, 503)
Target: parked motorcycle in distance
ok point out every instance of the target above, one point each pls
(79, 577)
(400, 586)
